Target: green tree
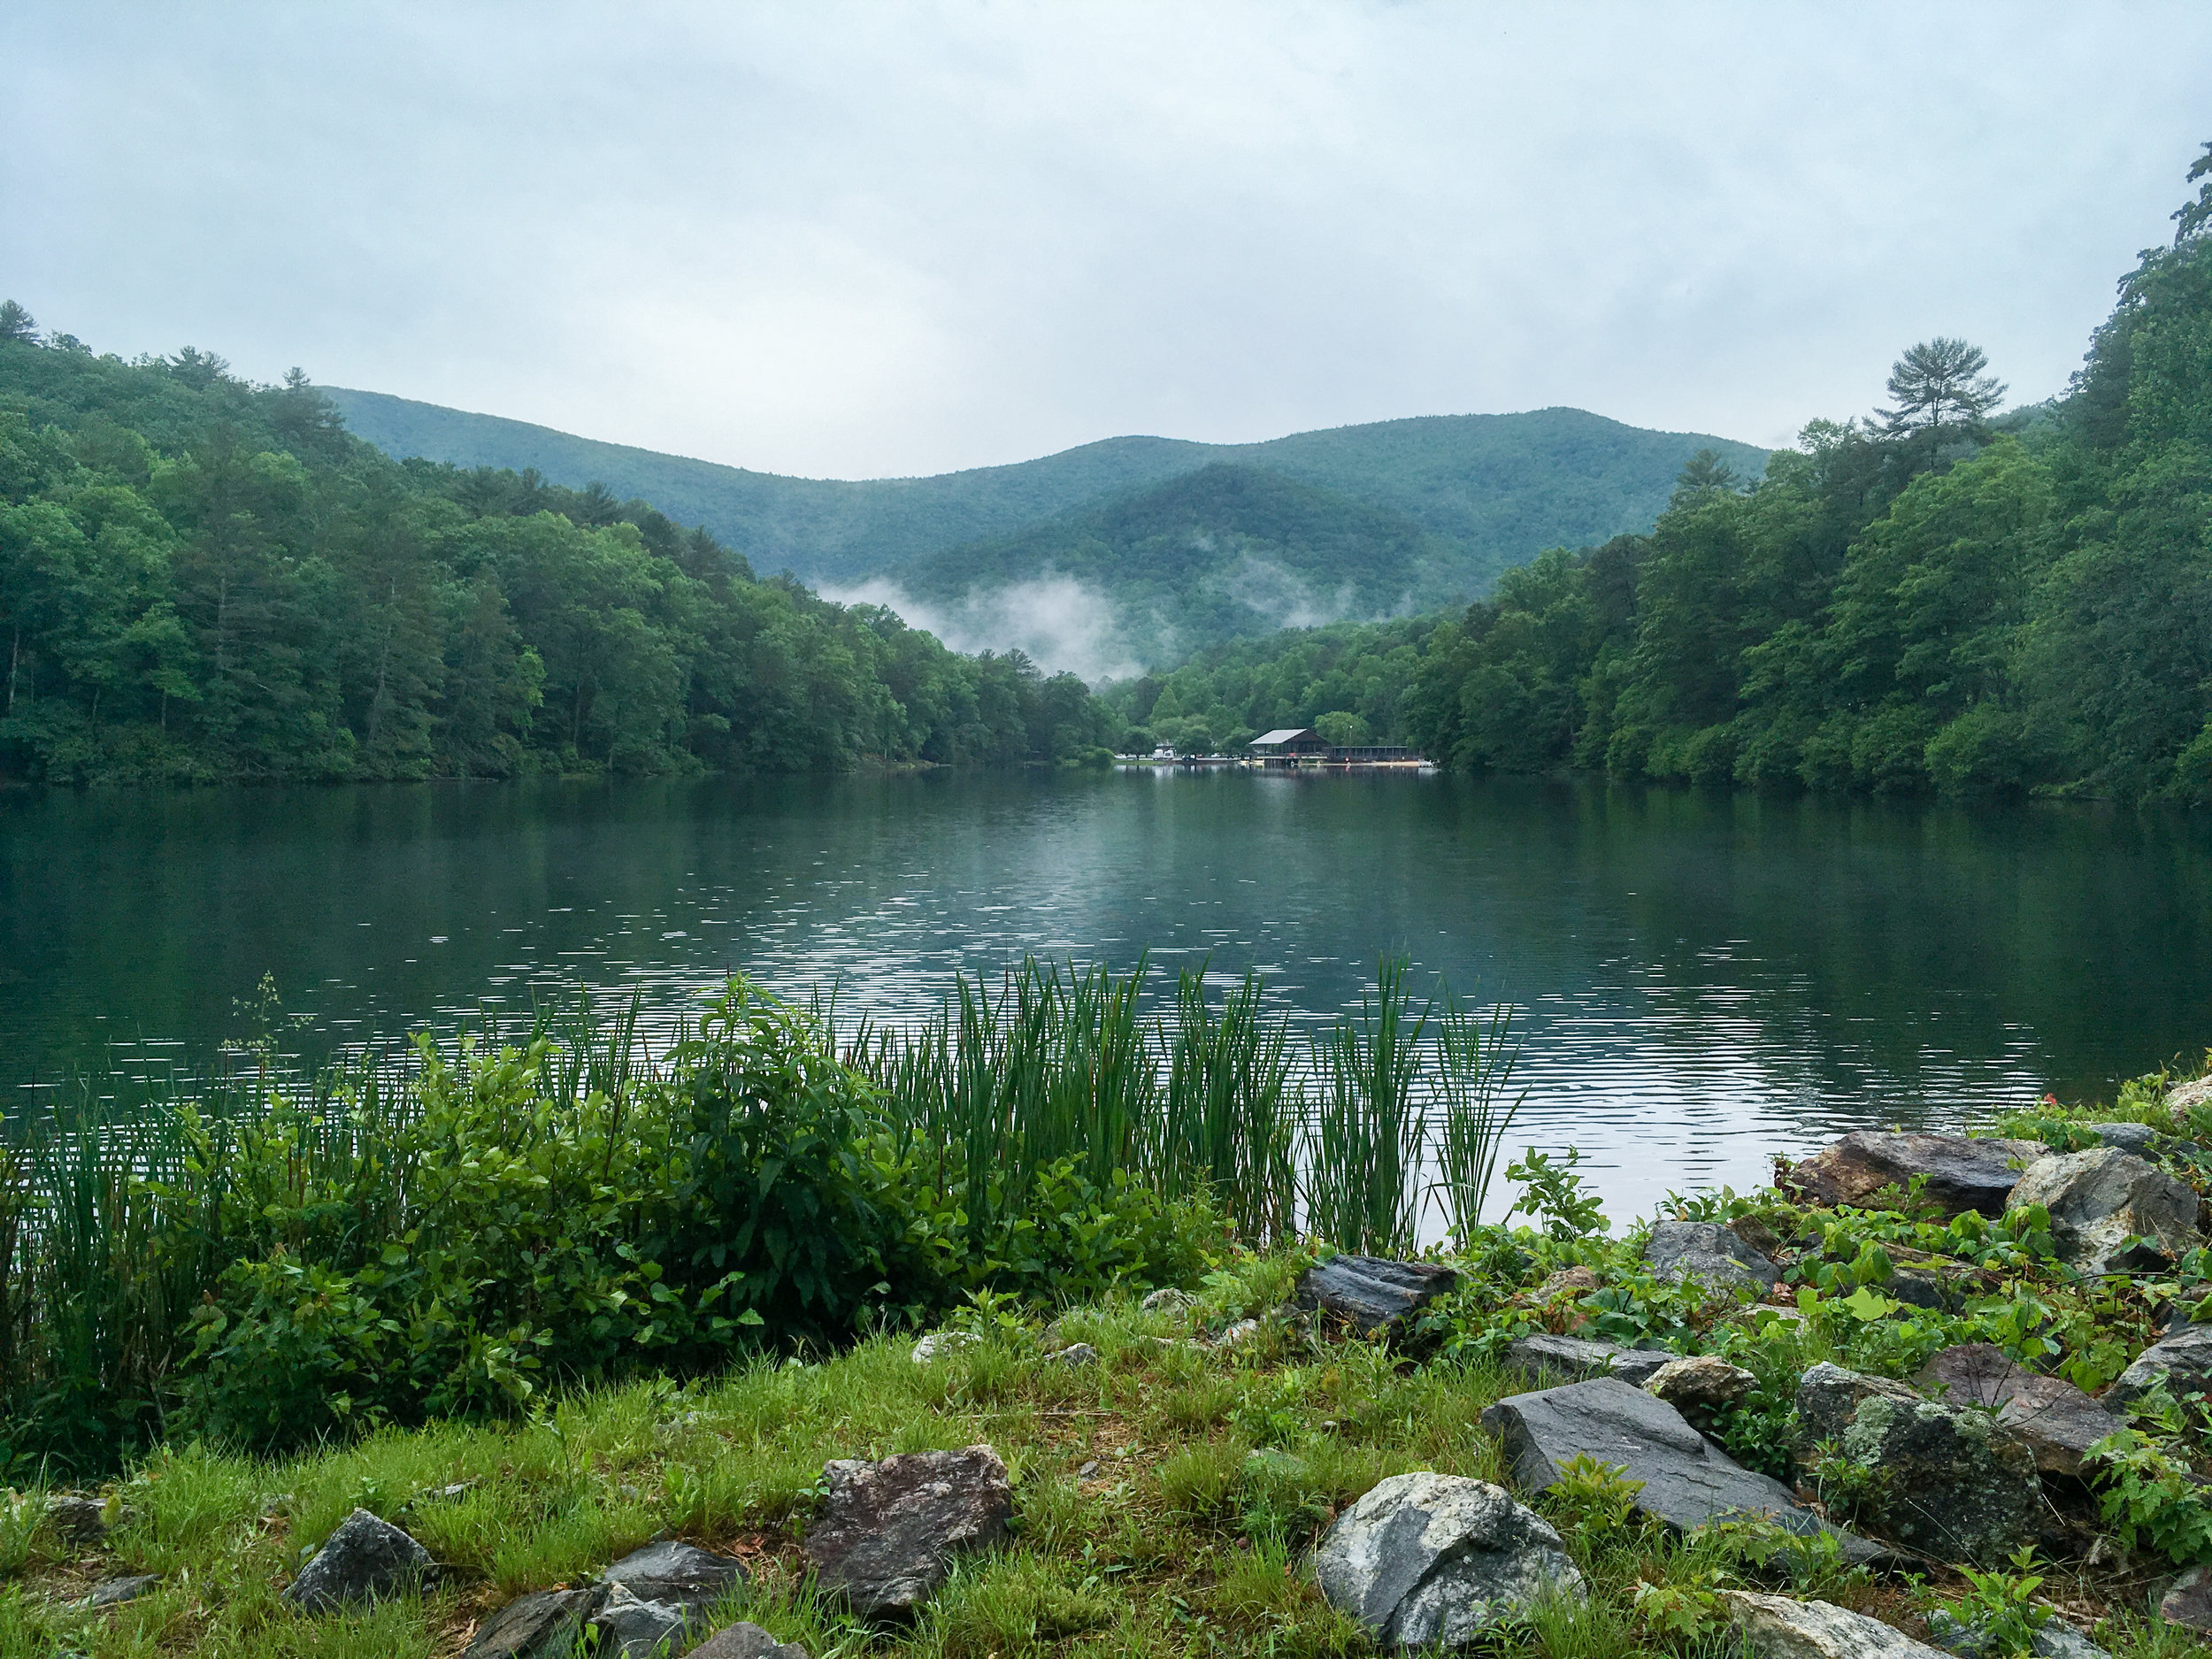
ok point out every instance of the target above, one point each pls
(1940, 395)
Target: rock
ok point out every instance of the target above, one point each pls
(2189, 1603)
(628, 1627)
(2057, 1640)
(1701, 1388)
(441, 1494)
(2101, 1199)
(1709, 1254)
(888, 1531)
(2134, 1138)
(543, 1624)
(747, 1641)
(1169, 1300)
(1963, 1173)
(939, 1343)
(2182, 1096)
(365, 1559)
(1242, 1331)
(1368, 1294)
(115, 1592)
(680, 1574)
(1686, 1480)
(1949, 1481)
(1425, 1560)
(1578, 1280)
(1777, 1627)
(1549, 1360)
(2058, 1421)
(77, 1520)
(2184, 1359)
(1076, 1356)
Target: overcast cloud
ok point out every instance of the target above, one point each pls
(857, 241)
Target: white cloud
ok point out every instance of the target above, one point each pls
(1063, 625)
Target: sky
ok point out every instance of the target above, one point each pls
(864, 240)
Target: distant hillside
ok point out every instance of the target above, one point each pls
(1492, 490)
(1225, 552)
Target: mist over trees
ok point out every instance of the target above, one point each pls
(203, 580)
(1929, 599)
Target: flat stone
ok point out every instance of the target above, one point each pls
(366, 1560)
(1963, 1173)
(115, 1592)
(2056, 1639)
(2184, 1359)
(747, 1641)
(681, 1574)
(1546, 1360)
(1950, 1481)
(1368, 1294)
(2101, 1199)
(543, 1624)
(1709, 1254)
(888, 1531)
(1168, 1301)
(1424, 1560)
(2189, 1602)
(1687, 1481)
(1780, 1627)
(2058, 1421)
(77, 1520)
(1075, 1356)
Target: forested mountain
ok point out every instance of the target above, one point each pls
(1921, 600)
(1493, 489)
(203, 580)
(1224, 552)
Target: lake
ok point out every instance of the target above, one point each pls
(1705, 979)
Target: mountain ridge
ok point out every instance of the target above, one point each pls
(1494, 489)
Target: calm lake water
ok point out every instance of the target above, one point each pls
(1705, 979)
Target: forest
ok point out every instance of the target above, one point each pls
(1930, 599)
(202, 579)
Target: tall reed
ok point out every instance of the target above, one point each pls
(1363, 1190)
(1475, 1058)
(1232, 1116)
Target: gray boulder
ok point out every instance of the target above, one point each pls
(1546, 1360)
(543, 1624)
(1686, 1480)
(629, 1627)
(1075, 1356)
(2135, 1138)
(77, 1520)
(365, 1559)
(2182, 1361)
(1426, 1560)
(938, 1343)
(1778, 1627)
(1709, 1254)
(2058, 1421)
(681, 1574)
(747, 1641)
(115, 1592)
(1368, 1294)
(1168, 1301)
(2101, 1199)
(888, 1531)
(2057, 1640)
(1949, 1480)
(1963, 1173)
(1700, 1387)
(2189, 1602)
(2182, 1096)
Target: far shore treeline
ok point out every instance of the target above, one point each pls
(1931, 599)
(202, 579)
